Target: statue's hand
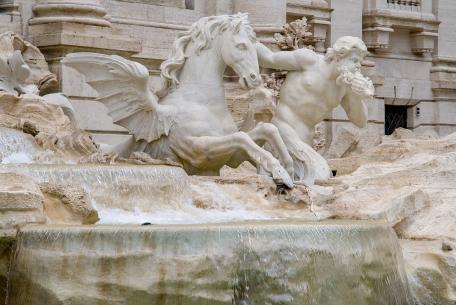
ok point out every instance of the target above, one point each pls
(362, 86)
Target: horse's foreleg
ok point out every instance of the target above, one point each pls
(229, 150)
(266, 132)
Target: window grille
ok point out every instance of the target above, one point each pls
(395, 117)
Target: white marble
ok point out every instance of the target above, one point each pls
(316, 85)
(187, 119)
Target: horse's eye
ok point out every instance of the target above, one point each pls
(241, 46)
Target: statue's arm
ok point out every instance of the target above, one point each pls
(284, 60)
(356, 109)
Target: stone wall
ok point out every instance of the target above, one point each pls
(412, 45)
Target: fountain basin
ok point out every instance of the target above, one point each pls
(326, 263)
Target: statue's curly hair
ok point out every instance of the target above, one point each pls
(343, 46)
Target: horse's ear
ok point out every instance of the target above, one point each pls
(243, 15)
(237, 27)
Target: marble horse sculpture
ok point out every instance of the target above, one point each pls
(315, 85)
(187, 120)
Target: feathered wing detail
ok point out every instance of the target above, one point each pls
(123, 87)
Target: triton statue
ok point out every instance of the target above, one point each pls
(315, 85)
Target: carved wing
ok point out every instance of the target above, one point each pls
(123, 88)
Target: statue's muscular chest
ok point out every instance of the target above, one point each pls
(311, 89)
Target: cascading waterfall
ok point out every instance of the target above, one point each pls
(17, 147)
(324, 263)
(134, 194)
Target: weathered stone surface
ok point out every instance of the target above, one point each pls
(51, 128)
(400, 146)
(431, 271)
(345, 140)
(414, 191)
(21, 201)
(262, 263)
(409, 182)
(6, 252)
(116, 190)
(242, 194)
(67, 204)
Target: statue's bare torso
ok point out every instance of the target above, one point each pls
(314, 86)
(307, 98)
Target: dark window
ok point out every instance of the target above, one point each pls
(395, 117)
(190, 4)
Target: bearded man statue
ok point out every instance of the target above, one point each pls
(314, 86)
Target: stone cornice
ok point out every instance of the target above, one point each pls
(379, 23)
(397, 18)
(304, 9)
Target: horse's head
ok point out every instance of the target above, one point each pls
(231, 36)
(238, 52)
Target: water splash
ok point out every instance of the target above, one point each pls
(188, 214)
(17, 147)
(126, 188)
(135, 194)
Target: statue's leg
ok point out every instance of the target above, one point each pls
(209, 151)
(309, 165)
(269, 133)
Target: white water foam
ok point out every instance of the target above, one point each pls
(220, 206)
(16, 158)
(190, 216)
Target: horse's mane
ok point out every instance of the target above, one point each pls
(201, 33)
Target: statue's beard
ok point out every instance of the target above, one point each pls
(348, 77)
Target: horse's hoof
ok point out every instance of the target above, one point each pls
(282, 178)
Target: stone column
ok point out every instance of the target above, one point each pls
(219, 7)
(81, 24)
(10, 17)
(443, 72)
(59, 27)
(346, 18)
(88, 12)
(266, 16)
(62, 26)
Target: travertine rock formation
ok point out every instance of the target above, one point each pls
(431, 269)
(410, 183)
(241, 194)
(21, 201)
(51, 128)
(67, 204)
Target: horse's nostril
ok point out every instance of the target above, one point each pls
(253, 76)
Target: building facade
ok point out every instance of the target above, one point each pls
(412, 46)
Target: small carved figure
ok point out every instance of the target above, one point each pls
(296, 35)
(187, 120)
(314, 86)
(24, 70)
(50, 119)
